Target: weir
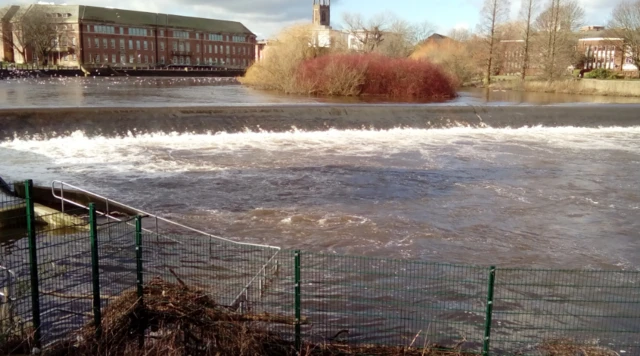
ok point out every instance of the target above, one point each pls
(117, 122)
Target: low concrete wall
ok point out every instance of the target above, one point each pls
(118, 122)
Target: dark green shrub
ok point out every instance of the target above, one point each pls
(601, 73)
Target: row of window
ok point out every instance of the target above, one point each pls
(105, 29)
(180, 34)
(104, 58)
(131, 59)
(177, 46)
(133, 31)
(145, 44)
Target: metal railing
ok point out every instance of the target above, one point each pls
(259, 277)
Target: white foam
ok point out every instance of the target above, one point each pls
(176, 153)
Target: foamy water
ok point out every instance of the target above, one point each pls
(563, 196)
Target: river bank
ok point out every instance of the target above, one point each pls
(623, 88)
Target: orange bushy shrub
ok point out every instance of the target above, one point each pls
(374, 74)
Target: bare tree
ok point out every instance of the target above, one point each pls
(527, 15)
(31, 29)
(494, 12)
(459, 34)
(386, 34)
(369, 34)
(625, 24)
(557, 25)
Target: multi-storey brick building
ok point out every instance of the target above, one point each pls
(91, 35)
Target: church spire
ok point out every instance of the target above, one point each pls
(322, 12)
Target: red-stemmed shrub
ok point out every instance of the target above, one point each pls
(374, 74)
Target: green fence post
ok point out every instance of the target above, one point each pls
(489, 312)
(95, 270)
(298, 340)
(139, 282)
(33, 262)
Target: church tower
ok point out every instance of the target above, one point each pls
(322, 12)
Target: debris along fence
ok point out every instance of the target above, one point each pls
(61, 271)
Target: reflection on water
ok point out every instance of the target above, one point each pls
(128, 91)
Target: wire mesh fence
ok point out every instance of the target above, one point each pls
(361, 300)
(81, 258)
(15, 296)
(533, 308)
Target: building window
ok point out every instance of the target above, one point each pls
(113, 58)
(88, 28)
(104, 43)
(213, 37)
(138, 45)
(146, 45)
(122, 44)
(130, 44)
(122, 31)
(239, 39)
(104, 29)
(88, 42)
(139, 59)
(188, 47)
(73, 41)
(138, 31)
(214, 47)
(97, 60)
(175, 60)
(227, 50)
(113, 43)
(175, 45)
(162, 46)
(161, 33)
(162, 60)
(197, 36)
(188, 61)
(123, 59)
(181, 46)
(106, 58)
(131, 58)
(146, 58)
(75, 57)
(97, 42)
(180, 34)
(198, 61)
(198, 47)
(233, 49)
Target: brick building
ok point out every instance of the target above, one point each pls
(98, 36)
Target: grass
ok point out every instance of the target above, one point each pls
(626, 88)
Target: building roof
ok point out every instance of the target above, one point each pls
(8, 12)
(80, 13)
(140, 18)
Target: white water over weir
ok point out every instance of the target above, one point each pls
(532, 187)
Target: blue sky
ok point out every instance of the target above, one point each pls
(268, 17)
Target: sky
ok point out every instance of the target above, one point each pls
(267, 17)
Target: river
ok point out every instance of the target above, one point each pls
(532, 197)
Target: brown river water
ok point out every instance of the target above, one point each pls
(539, 197)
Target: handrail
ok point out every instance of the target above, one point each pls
(141, 212)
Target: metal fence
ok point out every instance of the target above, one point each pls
(57, 277)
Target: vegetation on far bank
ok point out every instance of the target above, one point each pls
(292, 66)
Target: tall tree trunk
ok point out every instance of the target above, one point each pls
(494, 14)
(527, 38)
